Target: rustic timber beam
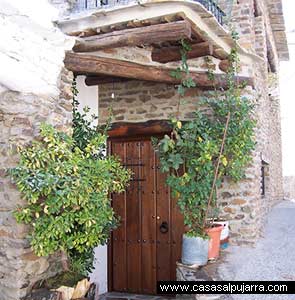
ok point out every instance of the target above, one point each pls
(148, 128)
(167, 54)
(224, 65)
(147, 35)
(95, 80)
(90, 64)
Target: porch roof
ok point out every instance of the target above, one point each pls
(155, 26)
(151, 12)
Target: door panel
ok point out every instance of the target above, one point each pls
(148, 227)
(134, 219)
(163, 218)
(119, 235)
(143, 252)
(177, 231)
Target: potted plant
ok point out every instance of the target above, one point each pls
(197, 155)
(200, 151)
(192, 156)
(215, 219)
(65, 181)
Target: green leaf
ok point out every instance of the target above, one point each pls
(66, 181)
(191, 155)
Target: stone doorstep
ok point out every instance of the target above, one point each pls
(128, 296)
(43, 294)
(187, 273)
(208, 272)
(122, 296)
(184, 273)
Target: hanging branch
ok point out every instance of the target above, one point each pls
(193, 144)
(217, 169)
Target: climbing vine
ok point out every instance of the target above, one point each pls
(192, 152)
(66, 182)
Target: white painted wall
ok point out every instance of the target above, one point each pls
(99, 275)
(88, 96)
(32, 48)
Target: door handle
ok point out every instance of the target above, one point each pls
(164, 227)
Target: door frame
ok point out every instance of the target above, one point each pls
(132, 131)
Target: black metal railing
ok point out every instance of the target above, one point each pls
(82, 5)
(214, 9)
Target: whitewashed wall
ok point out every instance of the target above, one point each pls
(88, 96)
(99, 275)
(32, 48)
(32, 51)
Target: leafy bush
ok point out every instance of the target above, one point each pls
(192, 152)
(66, 182)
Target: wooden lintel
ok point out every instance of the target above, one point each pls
(90, 64)
(96, 80)
(149, 128)
(224, 65)
(146, 35)
(168, 54)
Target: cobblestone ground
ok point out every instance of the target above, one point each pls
(272, 259)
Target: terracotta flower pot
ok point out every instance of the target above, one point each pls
(214, 242)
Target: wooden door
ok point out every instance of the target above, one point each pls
(145, 247)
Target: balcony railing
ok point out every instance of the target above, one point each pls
(82, 5)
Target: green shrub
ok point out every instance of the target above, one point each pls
(192, 151)
(66, 182)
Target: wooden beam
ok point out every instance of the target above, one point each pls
(149, 128)
(224, 65)
(96, 80)
(90, 64)
(167, 54)
(147, 35)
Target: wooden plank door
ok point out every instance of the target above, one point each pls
(147, 244)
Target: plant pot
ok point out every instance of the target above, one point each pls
(194, 251)
(214, 242)
(224, 237)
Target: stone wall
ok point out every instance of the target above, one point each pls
(252, 21)
(34, 88)
(20, 117)
(137, 101)
(242, 203)
(289, 187)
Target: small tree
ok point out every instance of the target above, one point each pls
(66, 182)
(192, 153)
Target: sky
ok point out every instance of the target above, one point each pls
(287, 90)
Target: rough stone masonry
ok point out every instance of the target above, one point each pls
(243, 203)
(34, 88)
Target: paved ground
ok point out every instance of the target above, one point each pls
(272, 259)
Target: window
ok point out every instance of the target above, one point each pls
(264, 175)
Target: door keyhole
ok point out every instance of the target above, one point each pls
(164, 228)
